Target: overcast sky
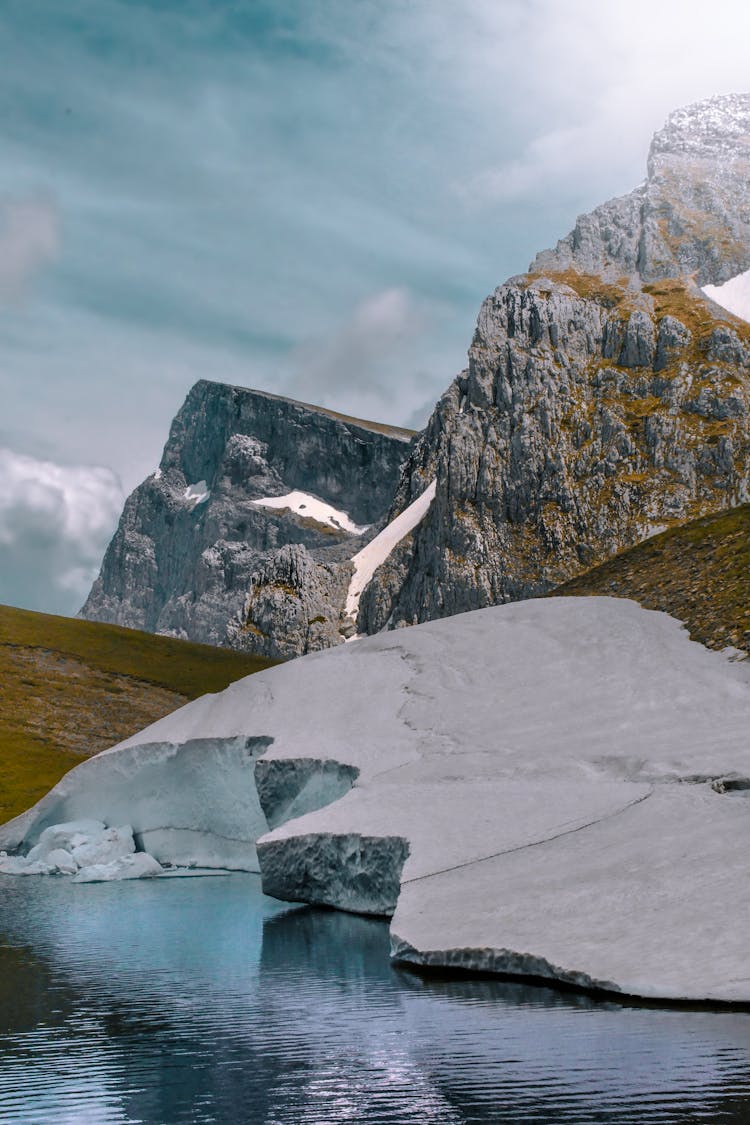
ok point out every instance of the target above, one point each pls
(307, 196)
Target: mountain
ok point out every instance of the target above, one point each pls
(256, 498)
(606, 398)
(70, 688)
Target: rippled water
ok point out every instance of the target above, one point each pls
(201, 1000)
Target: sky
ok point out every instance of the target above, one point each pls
(311, 198)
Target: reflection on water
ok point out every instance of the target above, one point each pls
(201, 1000)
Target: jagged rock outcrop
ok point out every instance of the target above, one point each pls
(691, 217)
(293, 605)
(605, 397)
(195, 555)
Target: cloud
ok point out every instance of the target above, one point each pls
(368, 363)
(587, 139)
(29, 239)
(55, 522)
(361, 349)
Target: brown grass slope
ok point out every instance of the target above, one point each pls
(70, 688)
(698, 572)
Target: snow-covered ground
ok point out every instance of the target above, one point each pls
(733, 295)
(196, 493)
(552, 788)
(303, 504)
(367, 561)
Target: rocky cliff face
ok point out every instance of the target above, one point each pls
(588, 418)
(691, 217)
(605, 397)
(195, 554)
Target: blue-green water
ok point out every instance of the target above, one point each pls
(201, 1000)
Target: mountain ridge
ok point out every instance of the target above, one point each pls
(606, 396)
(208, 527)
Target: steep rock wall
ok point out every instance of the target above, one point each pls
(606, 396)
(193, 542)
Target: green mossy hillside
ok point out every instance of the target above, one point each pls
(70, 688)
(698, 572)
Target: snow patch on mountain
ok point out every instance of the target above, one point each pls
(197, 493)
(367, 561)
(303, 504)
(733, 295)
(550, 788)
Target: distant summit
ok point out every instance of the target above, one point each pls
(256, 495)
(691, 217)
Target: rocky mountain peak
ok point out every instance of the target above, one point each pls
(716, 128)
(605, 399)
(253, 490)
(691, 217)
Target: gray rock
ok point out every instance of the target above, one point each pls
(194, 557)
(294, 604)
(691, 218)
(550, 456)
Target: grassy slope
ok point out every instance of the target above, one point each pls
(698, 572)
(70, 688)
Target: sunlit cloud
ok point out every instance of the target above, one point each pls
(55, 522)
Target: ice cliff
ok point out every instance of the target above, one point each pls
(554, 788)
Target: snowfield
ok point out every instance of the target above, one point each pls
(367, 561)
(557, 788)
(733, 295)
(303, 504)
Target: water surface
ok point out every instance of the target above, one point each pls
(202, 1000)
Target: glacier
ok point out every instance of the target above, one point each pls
(551, 789)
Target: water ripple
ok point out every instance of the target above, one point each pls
(203, 1001)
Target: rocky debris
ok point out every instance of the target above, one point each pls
(196, 556)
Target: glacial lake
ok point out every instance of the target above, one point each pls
(202, 1000)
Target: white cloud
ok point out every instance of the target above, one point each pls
(601, 87)
(29, 239)
(55, 522)
(368, 362)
